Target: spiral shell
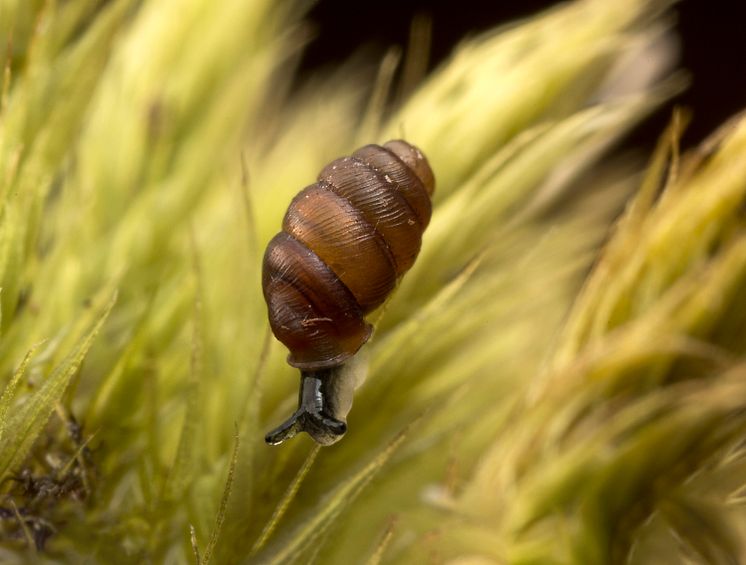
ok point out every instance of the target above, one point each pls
(345, 242)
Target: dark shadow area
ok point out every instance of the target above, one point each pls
(713, 46)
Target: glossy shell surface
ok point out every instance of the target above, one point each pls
(345, 242)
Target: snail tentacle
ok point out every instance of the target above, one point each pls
(316, 411)
(346, 241)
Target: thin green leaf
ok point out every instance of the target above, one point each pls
(220, 518)
(9, 393)
(332, 506)
(25, 425)
(182, 468)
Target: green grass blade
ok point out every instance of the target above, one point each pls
(26, 424)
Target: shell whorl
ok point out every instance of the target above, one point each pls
(345, 242)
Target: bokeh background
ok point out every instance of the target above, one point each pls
(561, 377)
(711, 47)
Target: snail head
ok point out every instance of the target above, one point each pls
(318, 411)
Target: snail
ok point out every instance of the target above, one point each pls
(346, 240)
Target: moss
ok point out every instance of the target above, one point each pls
(557, 380)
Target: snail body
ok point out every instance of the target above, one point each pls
(345, 242)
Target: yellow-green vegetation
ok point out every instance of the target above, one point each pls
(559, 379)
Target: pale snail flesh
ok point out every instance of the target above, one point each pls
(346, 240)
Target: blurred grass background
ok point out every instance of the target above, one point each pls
(559, 379)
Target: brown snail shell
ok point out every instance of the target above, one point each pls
(345, 242)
